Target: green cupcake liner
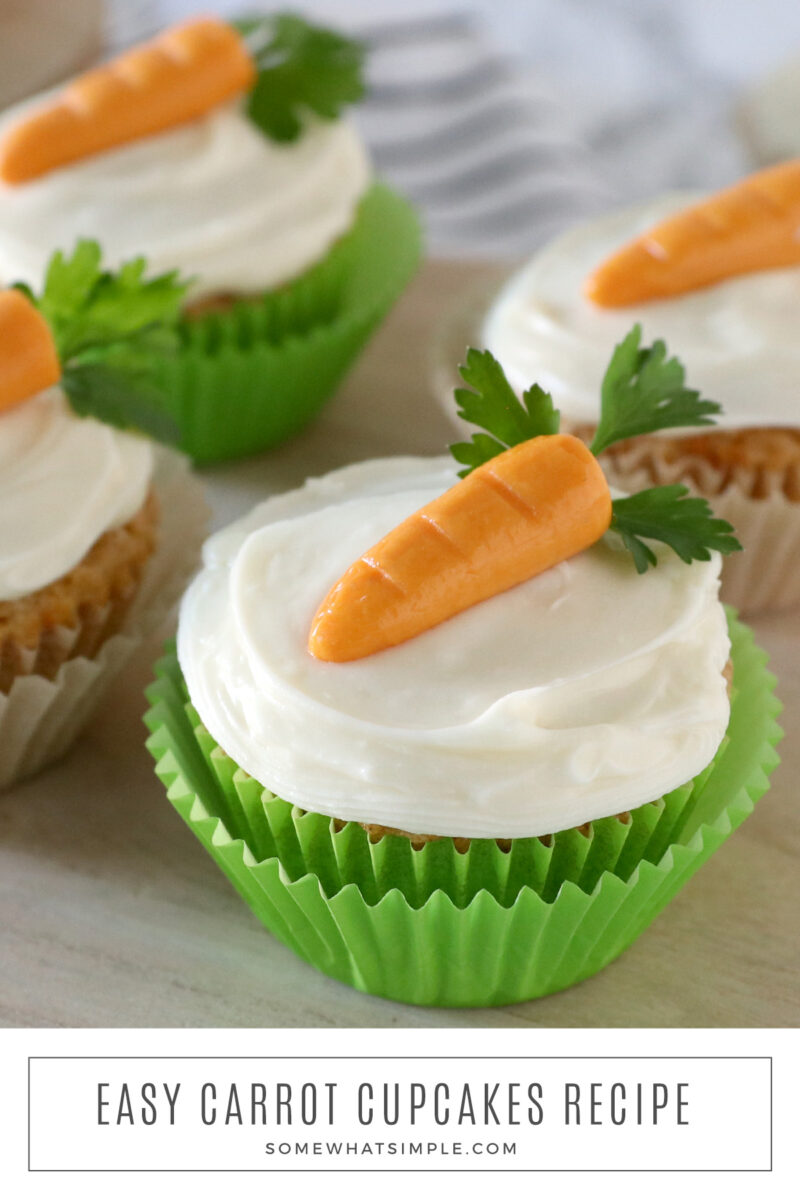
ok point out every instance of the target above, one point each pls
(435, 926)
(246, 379)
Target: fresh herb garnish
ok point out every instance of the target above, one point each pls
(107, 326)
(87, 307)
(302, 69)
(120, 398)
(643, 391)
(669, 514)
(491, 402)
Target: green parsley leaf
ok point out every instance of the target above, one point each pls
(644, 391)
(120, 398)
(108, 326)
(635, 379)
(491, 403)
(87, 307)
(669, 514)
(68, 284)
(302, 69)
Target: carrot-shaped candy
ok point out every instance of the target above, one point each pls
(177, 77)
(28, 357)
(752, 226)
(519, 514)
(529, 498)
(289, 68)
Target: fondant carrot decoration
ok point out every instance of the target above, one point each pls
(752, 226)
(517, 515)
(529, 498)
(180, 75)
(28, 357)
(289, 69)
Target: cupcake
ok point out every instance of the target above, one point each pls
(720, 281)
(221, 152)
(99, 527)
(469, 765)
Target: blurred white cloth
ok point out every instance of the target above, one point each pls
(768, 114)
(471, 138)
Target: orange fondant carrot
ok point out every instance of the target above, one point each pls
(517, 515)
(177, 77)
(753, 226)
(28, 358)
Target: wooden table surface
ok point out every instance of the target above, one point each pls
(112, 915)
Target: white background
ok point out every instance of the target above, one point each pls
(784, 1046)
(683, 1113)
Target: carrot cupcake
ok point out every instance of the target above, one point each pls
(720, 281)
(221, 152)
(466, 766)
(99, 528)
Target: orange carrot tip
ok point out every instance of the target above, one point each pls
(28, 356)
(175, 78)
(752, 226)
(518, 514)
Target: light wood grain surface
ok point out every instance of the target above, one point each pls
(112, 915)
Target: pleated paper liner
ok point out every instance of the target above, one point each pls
(251, 376)
(437, 927)
(41, 715)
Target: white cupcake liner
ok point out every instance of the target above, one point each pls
(39, 717)
(765, 575)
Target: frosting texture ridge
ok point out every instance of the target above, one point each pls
(736, 338)
(213, 198)
(64, 481)
(584, 692)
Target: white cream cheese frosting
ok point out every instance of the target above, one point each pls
(213, 198)
(737, 339)
(64, 481)
(584, 692)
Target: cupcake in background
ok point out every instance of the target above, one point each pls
(720, 281)
(100, 528)
(221, 151)
(469, 765)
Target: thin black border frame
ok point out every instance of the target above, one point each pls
(402, 1170)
